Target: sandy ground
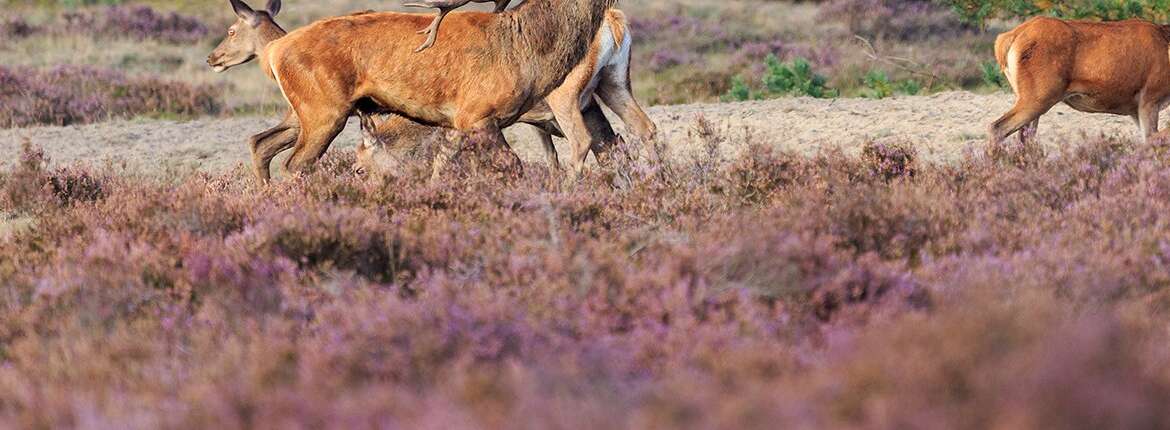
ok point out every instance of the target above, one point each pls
(942, 127)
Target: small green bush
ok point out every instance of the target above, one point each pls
(796, 78)
(910, 87)
(740, 91)
(877, 85)
(992, 75)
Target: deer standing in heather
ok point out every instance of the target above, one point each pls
(1120, 68)
(497, 67)
(604, 73)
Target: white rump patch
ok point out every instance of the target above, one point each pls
(1012, 67)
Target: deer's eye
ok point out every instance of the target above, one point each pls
(231, 33)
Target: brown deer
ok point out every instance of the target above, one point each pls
(445, 7)
(496, 68)
(604, 73)
(1099, 67)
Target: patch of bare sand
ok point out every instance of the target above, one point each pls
(942, 127)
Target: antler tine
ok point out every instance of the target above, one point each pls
(432, 31)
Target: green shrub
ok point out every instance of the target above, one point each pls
(910, 87)
(992, 75)
(740, 91)
(796, 78)
(877, 85)
(980, 11)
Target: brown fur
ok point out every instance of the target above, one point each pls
(618, 23)
(1121, 68)
(445, 7)
(586, 128)
(496, 67)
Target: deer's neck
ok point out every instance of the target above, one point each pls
(268, 33)
(549, 37)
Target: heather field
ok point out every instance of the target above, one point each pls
(1016, 289)
(820, 237)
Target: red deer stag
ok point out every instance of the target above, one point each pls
(605, 72)
(1100, 67)
(496, 68)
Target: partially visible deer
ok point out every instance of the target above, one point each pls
(604, 73)
(374, 157)
(386, 137)
(1120, 68)
(445, 7)
(495, 68)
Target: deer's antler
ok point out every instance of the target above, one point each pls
(444, 7)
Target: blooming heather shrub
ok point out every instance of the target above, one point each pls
(681, 26)
(679, 40)
(898, 224)
(763, 172)
(64, 95)
(896, 19)
(809, 273)
(136, 22)
(686, 52)
(768, 290)
(17, 27)
(22, 185)
(70, 186)
(889, 161)
(336, 239)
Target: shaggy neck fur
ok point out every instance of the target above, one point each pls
(549, 37)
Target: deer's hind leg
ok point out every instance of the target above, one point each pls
(1147, 117)
(601, 132)
(550, 150)
(1026, 112)
(615, 91)
(1038, 89)
(565, 103)
(265, 145)
(568, 113)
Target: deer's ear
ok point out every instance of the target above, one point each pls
(273, 8)
(245, 12)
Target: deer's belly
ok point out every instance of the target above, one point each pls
(1093, 104)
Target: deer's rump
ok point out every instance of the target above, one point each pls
(1098, 66)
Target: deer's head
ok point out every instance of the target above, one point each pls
(374, 158)
(246, 37)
